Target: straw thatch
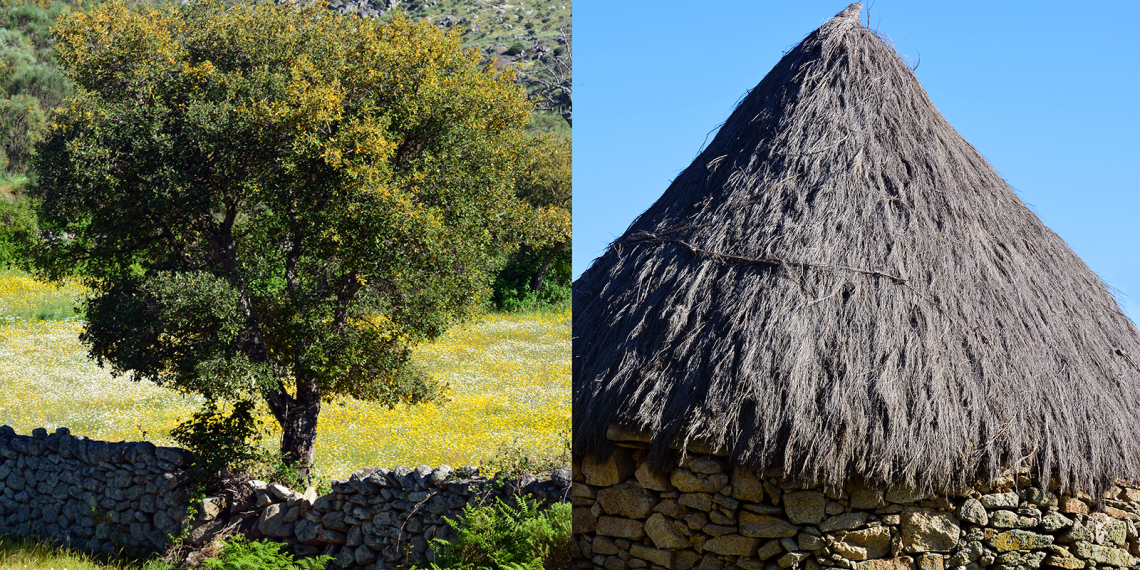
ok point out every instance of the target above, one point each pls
(840, 285)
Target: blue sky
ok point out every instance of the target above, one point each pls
(1048, 92)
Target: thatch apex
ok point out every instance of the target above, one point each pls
(840, 285)
(851, 12)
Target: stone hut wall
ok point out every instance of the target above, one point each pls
(102, 497)
(709, 515)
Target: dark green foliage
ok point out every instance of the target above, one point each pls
(241, 554)
(276, 467)
(515, 49)
(551, 532)
(231, 443)
(221, 441)
(504, 537)
(17, 227)
(198, 305)
(512, 290)
(538, 275)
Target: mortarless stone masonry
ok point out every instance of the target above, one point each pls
(102, 496)
(91, 494)
(709, 515)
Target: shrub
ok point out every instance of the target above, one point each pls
(45, 82)
(501, 536)
(542, 122)
(275, 467)
(511, 290)
(511, 459)
(240, 554)
(17, 229)
(515, 49)
(550, 532)
(22, 124)
(231, 444)
(220, 441)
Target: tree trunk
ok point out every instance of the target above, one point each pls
(536, 283)
(298, 419)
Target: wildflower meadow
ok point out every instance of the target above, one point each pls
(509, 378)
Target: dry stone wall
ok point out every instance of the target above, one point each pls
(102, 496)
(383, 518)
(89, 494)
(707, 514)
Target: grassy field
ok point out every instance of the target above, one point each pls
(509, 378)
(20, 553)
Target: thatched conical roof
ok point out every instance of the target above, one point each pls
(842, 286)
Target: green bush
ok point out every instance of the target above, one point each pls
(505, 537)
(16, 52)
(542, 122)
(31, 84)
(511, 290)
(512, 459)
(23, 123)
(240, 554)
(220, 441)
(275, 467)
(17, 230)
(550, 532)
(45, 82)
(231, 443)
(515, 49)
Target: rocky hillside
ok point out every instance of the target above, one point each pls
(532, 35)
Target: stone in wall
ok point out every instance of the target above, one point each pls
(102, 497)
(381, 518)
(90, 494)
(706, 514)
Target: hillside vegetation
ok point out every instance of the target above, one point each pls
(533, 36)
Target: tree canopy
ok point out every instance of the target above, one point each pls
(276, 201)
(546, 184)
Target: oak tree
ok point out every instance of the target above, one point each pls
(276, 201)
